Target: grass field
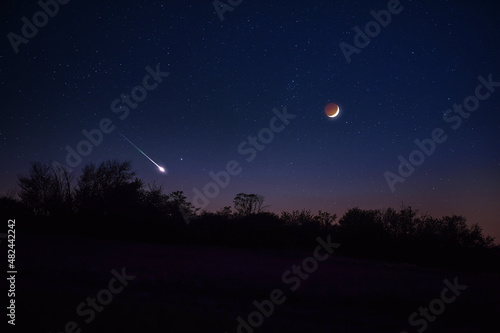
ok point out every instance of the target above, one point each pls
(197, 289)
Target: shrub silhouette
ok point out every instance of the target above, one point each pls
(109, 201)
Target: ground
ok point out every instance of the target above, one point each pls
(205, 289)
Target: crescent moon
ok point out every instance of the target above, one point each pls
(332, 110)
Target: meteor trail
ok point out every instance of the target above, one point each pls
(143, 153)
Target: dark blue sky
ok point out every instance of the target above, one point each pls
(226, 77)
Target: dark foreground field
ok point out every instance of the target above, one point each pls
(194, 289)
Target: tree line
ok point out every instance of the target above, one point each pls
(108, 200)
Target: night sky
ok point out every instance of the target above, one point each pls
(224, 80)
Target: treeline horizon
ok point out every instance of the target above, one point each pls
(108, 201)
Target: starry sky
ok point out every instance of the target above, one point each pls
(224, 80)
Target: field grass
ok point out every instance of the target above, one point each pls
(198, 289)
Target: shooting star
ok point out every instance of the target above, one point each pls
(143, 153)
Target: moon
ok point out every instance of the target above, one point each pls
(332, 110)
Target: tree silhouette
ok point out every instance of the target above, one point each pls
(108, 189)
(246, 204)
(110, 201)
(46, 190)
(225, 212)
(180, 207)
(400, 224)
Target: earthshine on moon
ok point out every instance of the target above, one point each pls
(332, 110)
